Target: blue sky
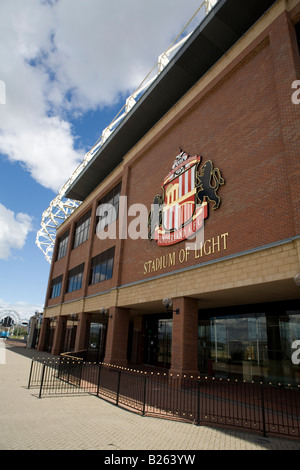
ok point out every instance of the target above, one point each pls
(68, 66)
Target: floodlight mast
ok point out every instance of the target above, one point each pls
(61, 208)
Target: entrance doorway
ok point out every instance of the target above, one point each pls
(97, 341)
(158, 341)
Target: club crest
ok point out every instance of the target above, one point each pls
(180, 211)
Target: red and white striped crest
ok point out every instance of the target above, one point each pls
(179, 213)
(181, 217)
(180, 200)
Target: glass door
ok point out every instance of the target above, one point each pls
(204, 347)
(97, 340)
(164, 343)
(157, 341)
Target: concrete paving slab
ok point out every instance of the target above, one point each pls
(89, 423)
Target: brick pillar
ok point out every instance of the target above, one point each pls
(59, 335)
(117, 336)
(42, 338)
(82, 332)
(185, 337)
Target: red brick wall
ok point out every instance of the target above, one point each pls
(117, 335)
(245, 122)
(185, 337)
(247, 125)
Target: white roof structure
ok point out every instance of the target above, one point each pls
(12, 314)
(61, 207)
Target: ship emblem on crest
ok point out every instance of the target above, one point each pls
(180, 211)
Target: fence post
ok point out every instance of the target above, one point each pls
(98, 383)
(263, 411)
(42, 380)
(30, 373)
(118, 388)
(68, 364)
(145, 391)
(80, 364)
(198, 404)
(60, 366)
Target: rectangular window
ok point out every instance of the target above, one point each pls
(297, 28)
(63, 245)
(102, 266)
(82, 230)
(75, 276)
(253, 346)
(56, 287)
(108, 208)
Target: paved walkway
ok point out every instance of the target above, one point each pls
(89, 423)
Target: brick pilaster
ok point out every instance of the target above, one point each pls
(82, 332)
(117, 336)
(43, 334)
(185, 337)
(59, 334)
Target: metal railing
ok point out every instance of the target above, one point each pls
(251, 406)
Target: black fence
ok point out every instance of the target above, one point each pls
(251, 406)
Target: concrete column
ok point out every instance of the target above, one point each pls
(185, 337)
(43, 333)
(59, 335)
(117, 336)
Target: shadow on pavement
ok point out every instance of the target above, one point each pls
(19, 347)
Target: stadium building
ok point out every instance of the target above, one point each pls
(185, 249)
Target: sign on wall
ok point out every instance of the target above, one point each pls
(181, 209)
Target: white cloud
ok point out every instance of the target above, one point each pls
(46, 149)
(28, 132)
(108, 46)
(24, 309)
(63, 57)
(14, 229)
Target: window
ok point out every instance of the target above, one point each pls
(75, 278)
(62, 245)
(56, 287)
(102, 266)
(297, 27)
(253, 346)
(108, 208)
(82, 230)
